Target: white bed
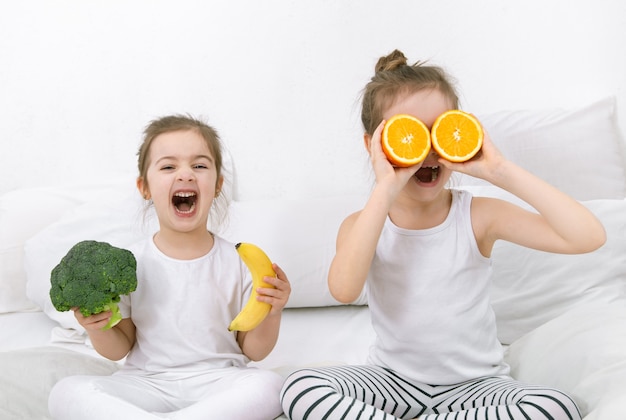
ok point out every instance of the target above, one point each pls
(561, 319)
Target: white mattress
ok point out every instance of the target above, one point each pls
(581, 352)
(20, 330)
(309, 336)
(317, 336)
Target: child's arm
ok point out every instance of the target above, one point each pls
(114, 343)
(256, 344)
(563, 225)
(359, 233)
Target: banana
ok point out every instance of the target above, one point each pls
(260, 266)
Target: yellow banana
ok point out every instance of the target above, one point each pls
(260, 266)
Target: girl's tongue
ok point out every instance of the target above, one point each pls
(427, 174)
(184, 202)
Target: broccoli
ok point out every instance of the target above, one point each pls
(92, 276)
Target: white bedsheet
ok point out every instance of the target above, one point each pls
(581, 352)
(45, 353)
(21, 330)
(321, 336)
(308, 335)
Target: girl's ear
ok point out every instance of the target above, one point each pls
(218, 185)
(143, 188)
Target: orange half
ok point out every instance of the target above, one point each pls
(405, 140)
(457, 136)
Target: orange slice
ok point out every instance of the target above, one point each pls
(457, 136)
(405, 140)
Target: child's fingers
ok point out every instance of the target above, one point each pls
(376, 148)
(95, 321)
(279, 271)
(279, 294)
(280, 282)
(280, 276)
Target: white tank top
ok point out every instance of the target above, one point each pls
(428, 292)
(182, 309)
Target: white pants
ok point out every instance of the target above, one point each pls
(233, 393)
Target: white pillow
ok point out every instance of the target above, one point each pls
(531, 287)
(299, 235)
(580, 151)
(116, 217)
(582, 352)
(23, 213)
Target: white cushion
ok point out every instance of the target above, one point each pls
(531, 287)
(299, 235)
(23, 213)
(115, 214)
(116, 217)
(582, 352)
(303, 246)
(321, 336)
(580, 151)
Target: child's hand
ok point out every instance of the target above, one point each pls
(93, 322)
(484, 165)
(385, 172)
(277, 296)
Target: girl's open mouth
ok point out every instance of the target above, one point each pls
(185, 201)
(427, 174)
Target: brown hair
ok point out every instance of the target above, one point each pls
(394, 77)
(179, 122)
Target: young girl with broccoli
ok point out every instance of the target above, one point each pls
(422, 251)
(182, 362)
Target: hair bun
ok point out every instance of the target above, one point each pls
(391, 62)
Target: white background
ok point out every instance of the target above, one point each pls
(279, 79)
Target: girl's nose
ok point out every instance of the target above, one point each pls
(185, 175)
(433, 155)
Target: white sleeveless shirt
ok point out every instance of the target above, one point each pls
(182, 309)
(428, 292)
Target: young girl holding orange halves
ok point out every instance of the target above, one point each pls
(422, 251)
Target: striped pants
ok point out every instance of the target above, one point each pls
(372, 392)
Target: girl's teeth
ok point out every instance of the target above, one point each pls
(185, 194)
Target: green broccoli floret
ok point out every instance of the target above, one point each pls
(92, 276)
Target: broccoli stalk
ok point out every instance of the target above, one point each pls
(116, 316)
(92, 276)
